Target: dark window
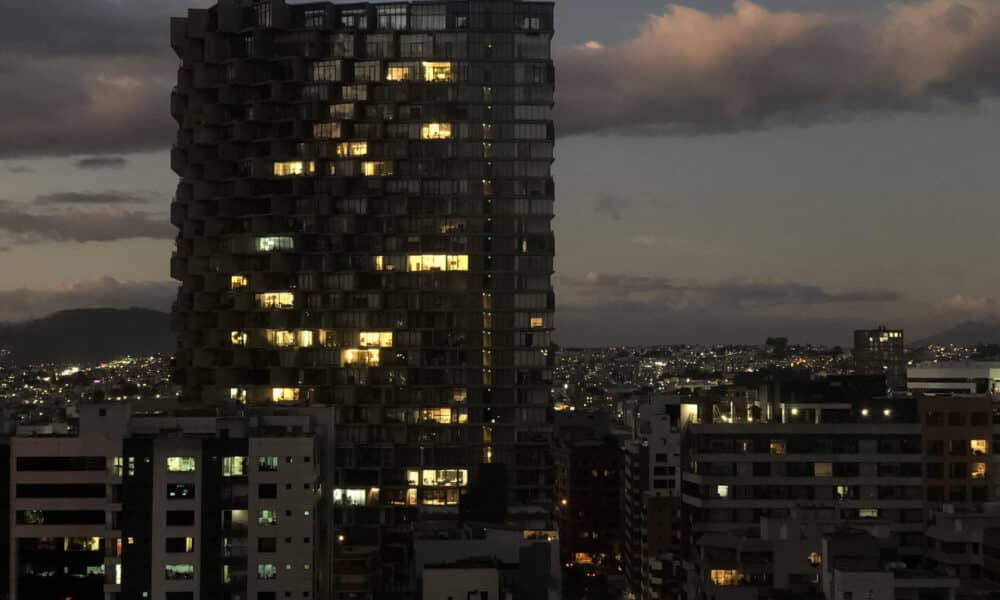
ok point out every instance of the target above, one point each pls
(267, 490)
(267, 596)
(60, 517)
(180, 596)
(180, 517)
(267, 544)
(180, 491)
(935, 447)
(980, 418)
(61, 490)
(761, 469)
(60, 463)
(956, 418)
(934, 417)
(935, 470)
(179, 544)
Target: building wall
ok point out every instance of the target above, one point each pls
(458, 582)
(958, 434)
(383, 170)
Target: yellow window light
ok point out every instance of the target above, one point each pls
(436, 131)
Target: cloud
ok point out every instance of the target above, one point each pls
(87, 76)
(72, 225)
(106, 292)
(611, 207)
(109, 197)
(16, 169)
(95, 163)
(599, 309)
(692, 294)
(689, 71)
(655, 241)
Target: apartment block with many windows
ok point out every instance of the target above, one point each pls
(364, 215)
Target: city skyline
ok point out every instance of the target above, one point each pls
(730, 241)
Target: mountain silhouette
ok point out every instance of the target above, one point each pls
(87, 335)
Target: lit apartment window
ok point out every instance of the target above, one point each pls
(436, 131)
(444, 477)
(438, 71)
(459, 395)
(81, 544)
(350, 497)
(437, 262)
(284, 394)
(352, 149)
(978, 470)
(443, 416)
(868, 513)
(294, 167)
(777, 447)
(267, 463)
(238, 338)
(978, 446)
(179, 571)
(117, 466)
(823, 469)
(722, 491)
(376, 339)
(537, 322)
(326, 338)
(180, 464)
(267, 571)
(276, 300)
(238, 281)
(274, 243)
(402, 72)
(326, 130)
(305, 338)
(439, 497)
(281, 339)
(361, 356)
(234, 466)
(267, 517)
(238, 395)
(376, 168)
(726, 577)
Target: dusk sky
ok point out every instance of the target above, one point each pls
(725, 171)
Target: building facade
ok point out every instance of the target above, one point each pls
(364, 215)
(176, 506)
(881, 352)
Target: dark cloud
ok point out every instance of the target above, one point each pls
(689, 71)
(95, 163)
(611, 207)
(71, 225)
(601, 309)
(16, 169)
(89, 28)
(107, 292)
(660, 291)
(110, 197)
(87, 76)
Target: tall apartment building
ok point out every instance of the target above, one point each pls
(881, 352)
(177, 506)
(364, 215)
(652, 522)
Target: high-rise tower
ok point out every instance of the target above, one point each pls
(365, 210)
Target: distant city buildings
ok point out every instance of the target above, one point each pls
(881, 352)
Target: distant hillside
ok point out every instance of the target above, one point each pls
(88, 335)
(969, 333)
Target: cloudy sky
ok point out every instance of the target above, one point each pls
(725, 171)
